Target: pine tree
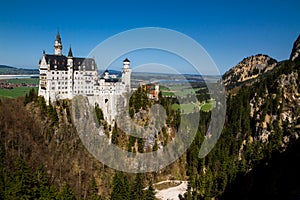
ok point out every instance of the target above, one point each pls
(26, 100)
(140, 145)
(42, 103)
(98, 112)
(137, 192)
(20, 182)
(120, 187)
(115, 135)
(42, 189)
(150, 193)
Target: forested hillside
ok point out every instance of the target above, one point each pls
(262, 123)
(42, 156)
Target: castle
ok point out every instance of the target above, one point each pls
(63, 77)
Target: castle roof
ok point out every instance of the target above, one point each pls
(126, 60)
(61, 62)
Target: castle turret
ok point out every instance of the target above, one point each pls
(70, 73)
(126, 64)
(126, 73)
(58, 45)
(106, 74)
(70, 58)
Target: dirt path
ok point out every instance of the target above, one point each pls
(172, 192)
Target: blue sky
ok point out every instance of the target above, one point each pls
(228, 30)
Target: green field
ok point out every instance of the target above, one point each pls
(208, 106)
(190, 107)
(23, 80)
(16, 92)
(178, 90)
(186, 108)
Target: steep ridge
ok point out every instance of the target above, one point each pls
(273, 103)
(248, 69)
(296, 49)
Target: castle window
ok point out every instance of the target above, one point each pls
(58, 87)
(52, 72)
(57, 72)
(52, 78)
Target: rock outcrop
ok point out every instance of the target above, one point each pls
(248, 69)
(296, 49)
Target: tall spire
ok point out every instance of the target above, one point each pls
(58, 45)
(70, 54)
(58, 39)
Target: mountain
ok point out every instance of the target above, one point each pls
(8, 70)
(5, 66)
(248, 69)
(296, 49)
(271, 146)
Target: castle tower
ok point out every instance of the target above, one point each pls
(106, 74)
(70, 74)
(156, 90)
(58, 45)
(126, 73)
(70, 58)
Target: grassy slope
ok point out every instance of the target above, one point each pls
(18, 91)
(188, 108)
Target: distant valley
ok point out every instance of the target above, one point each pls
(8, 70)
